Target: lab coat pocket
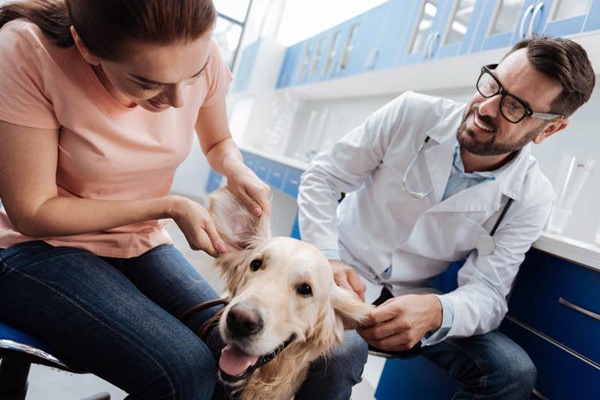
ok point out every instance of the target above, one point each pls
(445, 236)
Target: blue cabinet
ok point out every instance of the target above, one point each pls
(400, 32)
(461, 26)
(554, 314)
(214, 181)
(499, 22)
(292, 64)
(395, 33)
(368, 32)
(428, 22)
(593, 18)
(561, 374)
(567, 17)
(246, 67)
(339, 65)
(561, 289)
(316, 64)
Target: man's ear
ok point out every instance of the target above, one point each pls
(550, 129)
(85, 52)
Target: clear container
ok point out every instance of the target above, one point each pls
(573, 173)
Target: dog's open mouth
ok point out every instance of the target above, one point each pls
(236, 365)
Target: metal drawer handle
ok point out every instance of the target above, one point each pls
(572, 306)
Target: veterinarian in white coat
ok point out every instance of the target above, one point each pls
(427, 179)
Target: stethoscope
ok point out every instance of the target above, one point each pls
(485, 244)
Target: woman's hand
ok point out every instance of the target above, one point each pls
(252, 192)
(197, 226)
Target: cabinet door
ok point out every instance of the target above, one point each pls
(460, 28)
(427, 30)
(560, 299)
(291, 64)
(334, 48)
(365, 54)
(246, 66)
(592, 21)
(351, 30)
(501, 21)
(396, 32)
(566, 17)
(561, 374)
(316, 65)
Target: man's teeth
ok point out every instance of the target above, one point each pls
(481, 125)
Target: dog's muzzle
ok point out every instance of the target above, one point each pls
(235, 365)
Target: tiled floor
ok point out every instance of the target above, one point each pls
(49, 384)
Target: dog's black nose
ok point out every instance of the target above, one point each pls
(243, 321)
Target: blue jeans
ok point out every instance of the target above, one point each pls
(489, 366)
(117, 318)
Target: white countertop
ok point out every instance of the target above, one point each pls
(580, 252)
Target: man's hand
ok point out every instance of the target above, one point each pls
(400, 323)
(345, 276)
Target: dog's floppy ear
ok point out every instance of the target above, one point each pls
(349, 307)
(238, 227)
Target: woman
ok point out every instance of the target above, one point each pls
(98, 103)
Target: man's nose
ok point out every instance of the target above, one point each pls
(490, 106)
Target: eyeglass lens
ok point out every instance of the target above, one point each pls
(510, 107)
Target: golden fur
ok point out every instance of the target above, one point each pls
(277, 293)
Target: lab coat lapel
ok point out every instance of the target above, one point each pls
(439, 163)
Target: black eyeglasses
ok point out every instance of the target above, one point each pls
(512, 108)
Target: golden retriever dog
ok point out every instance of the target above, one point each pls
(285, 310)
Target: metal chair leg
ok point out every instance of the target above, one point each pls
(13, 378)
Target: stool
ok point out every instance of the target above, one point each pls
(18, 351)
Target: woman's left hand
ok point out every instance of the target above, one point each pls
(253, 192)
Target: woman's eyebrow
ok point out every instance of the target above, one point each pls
(146, 80)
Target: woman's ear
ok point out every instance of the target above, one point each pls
(85, 52)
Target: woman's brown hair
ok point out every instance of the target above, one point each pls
(106, 26)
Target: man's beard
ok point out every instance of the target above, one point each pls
(466, 138)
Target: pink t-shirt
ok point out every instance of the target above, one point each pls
(107, 151)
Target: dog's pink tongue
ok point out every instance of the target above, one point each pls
(234, 361)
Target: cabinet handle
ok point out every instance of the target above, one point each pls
(522, 28)
(572, 306)
(429, 52)
(538, 8)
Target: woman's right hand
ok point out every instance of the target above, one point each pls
(197, 225)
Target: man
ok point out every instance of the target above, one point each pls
(430, 181)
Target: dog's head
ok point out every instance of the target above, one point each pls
(282, 293)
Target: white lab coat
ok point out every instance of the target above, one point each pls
(380, 225)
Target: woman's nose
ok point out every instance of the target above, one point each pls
(174, 95)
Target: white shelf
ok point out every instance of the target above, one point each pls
(573, 250)
(291, 162)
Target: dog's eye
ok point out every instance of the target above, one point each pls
(255, 264)
(304, 289)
